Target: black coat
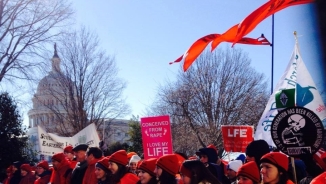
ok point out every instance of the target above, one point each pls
(79, 172)
(16, 177)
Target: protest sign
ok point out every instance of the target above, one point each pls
(236, 137)
(156, 135)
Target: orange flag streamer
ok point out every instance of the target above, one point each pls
(267, 9)
(198, 46)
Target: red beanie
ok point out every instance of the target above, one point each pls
(44, 164)
(250, 170)
(68, 149)
(169, 163)
(130, 154)
(148, 166)
(58, 157)
(104, 161)
(119, 157)
(276, 158)
(26, 167)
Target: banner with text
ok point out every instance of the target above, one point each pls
(51, 143)
(237, 137)
(156, 135)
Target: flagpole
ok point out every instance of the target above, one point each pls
(272, 72)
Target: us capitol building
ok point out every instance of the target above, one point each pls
(47, 106)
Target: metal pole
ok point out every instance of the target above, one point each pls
(272, 72)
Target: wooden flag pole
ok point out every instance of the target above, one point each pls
(293, 170)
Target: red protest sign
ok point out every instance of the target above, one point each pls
(236, 138)
(156, 135)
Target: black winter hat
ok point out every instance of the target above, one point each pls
(257, 149)
(210, 153)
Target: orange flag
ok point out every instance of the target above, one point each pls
(267, 9)
(198, 46)
(228, 36)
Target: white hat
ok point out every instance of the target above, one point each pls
(134, 158)
(234, 165)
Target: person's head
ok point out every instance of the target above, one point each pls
(68, 152)
(166, 168)
(16, 166)
(274, 167)
(57, 160)
(93, 153)
(80, 152)
(117, 165)
(232, 169)
(41, 167)
(248, 173)
(194, 172)
(133, 162)
(130, 154)
(146, 171)
(102, 169)
(207, 155)
(25, 169)
(9, 171)
(256, 149)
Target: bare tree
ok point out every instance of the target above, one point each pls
(86, 87)
(221, 88)
(26, 26)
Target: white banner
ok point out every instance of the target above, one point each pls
(51, 143)
(296, 76)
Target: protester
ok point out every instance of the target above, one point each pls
(28, 176)
(255, 150)
(16, 176)
(146, 172)
(130, 154)
(93, 155)
(62, 169)
(117, 165)
(248, 173)
(232, 170)
(43, 172)
(102, 172)
(195, 172)
(78, 173)
(166, 168)
(133, 162)
(274, 167)
(221, 163)
(8, 174)
(69, 153)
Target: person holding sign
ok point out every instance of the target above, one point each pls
(274, 167)
(117, 165)
(146, 172)
(194, 172)
(166, 168)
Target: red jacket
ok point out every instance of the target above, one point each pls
(63, 174)
(129, 178)
(28, 179)
(319, 179)
(44, 178)
(90, 176)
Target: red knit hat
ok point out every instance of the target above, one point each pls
(58, 157)
(130, 154)
(276, 158)
(148, 166)
(68, 149)
(26, 167)
(44, 164)
(250, 170)
(119, 157)
(169, 163)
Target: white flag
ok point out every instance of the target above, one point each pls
(296, 76)
(48, 146)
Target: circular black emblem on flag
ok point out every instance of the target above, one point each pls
(297, 130)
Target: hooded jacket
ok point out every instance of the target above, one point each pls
(63, 173)
(90, 176)
(44, 178)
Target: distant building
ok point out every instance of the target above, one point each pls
(47, 110)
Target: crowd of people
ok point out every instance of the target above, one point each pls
(87, 165)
